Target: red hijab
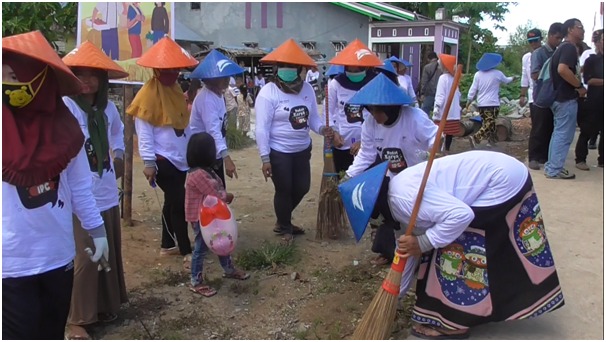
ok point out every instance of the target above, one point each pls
(40, 139)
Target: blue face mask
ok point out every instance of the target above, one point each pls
(355, 77)
(287, 74)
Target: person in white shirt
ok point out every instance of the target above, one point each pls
(486, 86)
(405, 81)
(97, 295)
(479, 244)
(259, 83)
(210, 113)
(534, 38)
(453, 121)
(162, 124)
(286, 110)
(395, 132)
(312, 75)
(45, 181)
(348, 118)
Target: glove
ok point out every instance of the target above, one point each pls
(344, 179)
(101, 249)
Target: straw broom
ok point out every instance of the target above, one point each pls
(331, 221)
(378, 319)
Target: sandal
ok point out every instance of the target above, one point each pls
(76, 332)
(203, 290)
(296, 230)
(380, 261)
(237, 274)
(107, 317)
(441, 334)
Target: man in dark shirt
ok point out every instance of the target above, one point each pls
(593, 122)
(568, 86)
(541, 118)
(429, 83)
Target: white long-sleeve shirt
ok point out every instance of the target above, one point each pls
(404, 143)
(284, 120)
(37, 227)
(406, 84)
(455, 184)
(526, 80)
(209, 114)
(165, 141)
(486, 85)
(442, 91)
(105, 188)
(346, 118)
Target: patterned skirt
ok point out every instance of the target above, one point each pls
(500, 269)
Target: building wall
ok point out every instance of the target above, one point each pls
(226, 23)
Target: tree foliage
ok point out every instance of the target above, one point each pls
(55, 20)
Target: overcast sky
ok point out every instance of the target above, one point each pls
(544, 13)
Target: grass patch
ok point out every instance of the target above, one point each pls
(267, 255)
(236, 140)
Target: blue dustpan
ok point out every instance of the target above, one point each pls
(359, 196)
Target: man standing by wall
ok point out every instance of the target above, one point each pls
(541, 118)
(534, 38)
(429, 81)
(568, 87)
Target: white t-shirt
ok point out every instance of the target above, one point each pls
(404, 143)
(346, 118)
(311, 75)
(284, 120)
(105, 188)
(442, 91)
(486, 84)
(109, 13)
(165, 141)
(209, 114)
(526, 80)
(37, 227)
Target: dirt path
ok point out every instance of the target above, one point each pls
(334, 281)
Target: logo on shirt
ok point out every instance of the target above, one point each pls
(36, 196)
(299, 116)
(91, 155)
(353, 113)
(397, 163)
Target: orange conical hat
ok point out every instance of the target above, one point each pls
(34, 45)
(166, 54)
(357, 54)
(90, 56)
(448, 61)
(290, 53)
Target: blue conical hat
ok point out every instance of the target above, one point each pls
(401, 61)
(216, 65)
(335, 70)
(489, 61)
(381, 91)
(388, 67)
(359, 196)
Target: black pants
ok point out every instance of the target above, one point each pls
(447, 142)
(220, 171)
(591, 122)
(540, 133)
(342, 159)
(291, 175)
(385, 239)
(36, 307)
(172, 181)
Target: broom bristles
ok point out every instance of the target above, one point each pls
(377, 322)
(331, 219)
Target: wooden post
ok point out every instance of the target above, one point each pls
(129, 131)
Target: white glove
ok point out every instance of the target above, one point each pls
(101, 249)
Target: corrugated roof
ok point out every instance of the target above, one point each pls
(377, 10)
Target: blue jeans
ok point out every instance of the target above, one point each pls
(197, 258)
(428, 103)
(564, 125)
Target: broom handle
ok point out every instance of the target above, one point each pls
(434, 150)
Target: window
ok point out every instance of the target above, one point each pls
(194, 5)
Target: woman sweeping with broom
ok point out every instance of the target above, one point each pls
(286, 110)
(483, 250)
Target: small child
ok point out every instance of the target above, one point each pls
(202, 181)
(245, 102)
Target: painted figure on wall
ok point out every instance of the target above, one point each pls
(135, 19)
(159, 21)
(105, 18)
